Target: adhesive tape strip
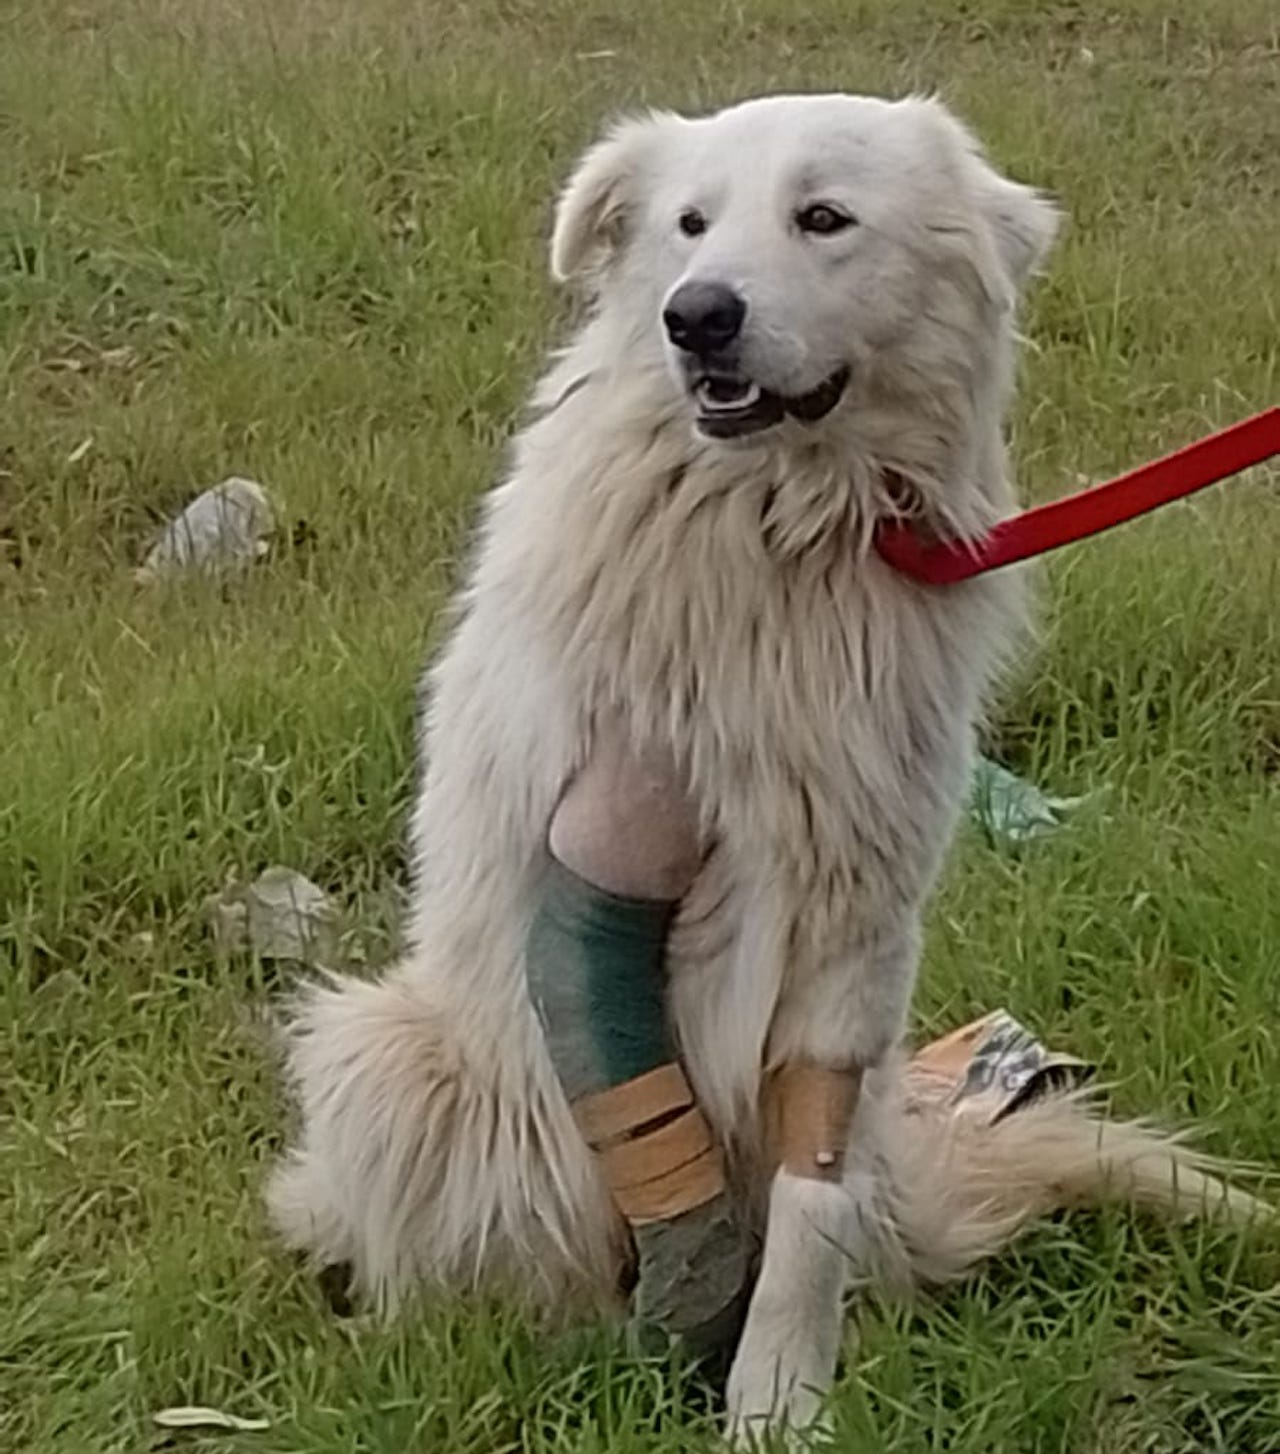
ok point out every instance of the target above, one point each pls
(810, 1116)
(680, 1190)
(656, 1174)
(622, 1109)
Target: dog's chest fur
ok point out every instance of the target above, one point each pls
(728, 602)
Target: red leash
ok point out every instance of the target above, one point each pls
(942, 563)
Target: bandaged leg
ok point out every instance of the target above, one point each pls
(624, 845)
(787, 1355)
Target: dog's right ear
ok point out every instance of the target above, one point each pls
(596, 208)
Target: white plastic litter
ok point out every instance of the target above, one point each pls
(227, 526)
(194, 1417)
(280, 915)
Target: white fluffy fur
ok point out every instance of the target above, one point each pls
(723, 597)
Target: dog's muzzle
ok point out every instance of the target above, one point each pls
(704, 321)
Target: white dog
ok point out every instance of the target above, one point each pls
(688, 543)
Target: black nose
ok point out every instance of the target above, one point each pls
(703, 318)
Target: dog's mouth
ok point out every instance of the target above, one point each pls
(730, 405)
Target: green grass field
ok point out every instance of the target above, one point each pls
(304, 242)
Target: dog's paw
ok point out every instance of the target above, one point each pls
(767, 1434)
(791, 1426)
(778, 1382)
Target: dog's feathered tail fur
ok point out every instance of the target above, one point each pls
(966, 1188)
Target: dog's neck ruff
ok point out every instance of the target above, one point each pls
(1091, 511)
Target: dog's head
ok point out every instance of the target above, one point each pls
(777, 251)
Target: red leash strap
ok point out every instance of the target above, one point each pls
(942, 563)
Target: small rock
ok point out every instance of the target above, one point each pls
(228, 525)
(280, 915)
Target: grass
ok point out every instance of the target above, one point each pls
(304, 242)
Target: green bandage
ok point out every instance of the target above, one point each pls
(595, 973)
(595, 967)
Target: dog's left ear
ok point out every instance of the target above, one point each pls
(1023, 222)
(597, 206)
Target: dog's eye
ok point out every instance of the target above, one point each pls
(823, 219)
(692, 222)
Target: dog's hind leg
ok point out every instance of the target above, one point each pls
(419, 1164)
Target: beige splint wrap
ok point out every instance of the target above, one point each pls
(654, 1145)
(809, 1112)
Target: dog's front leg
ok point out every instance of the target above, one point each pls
(833, 1029)
(623, 849)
